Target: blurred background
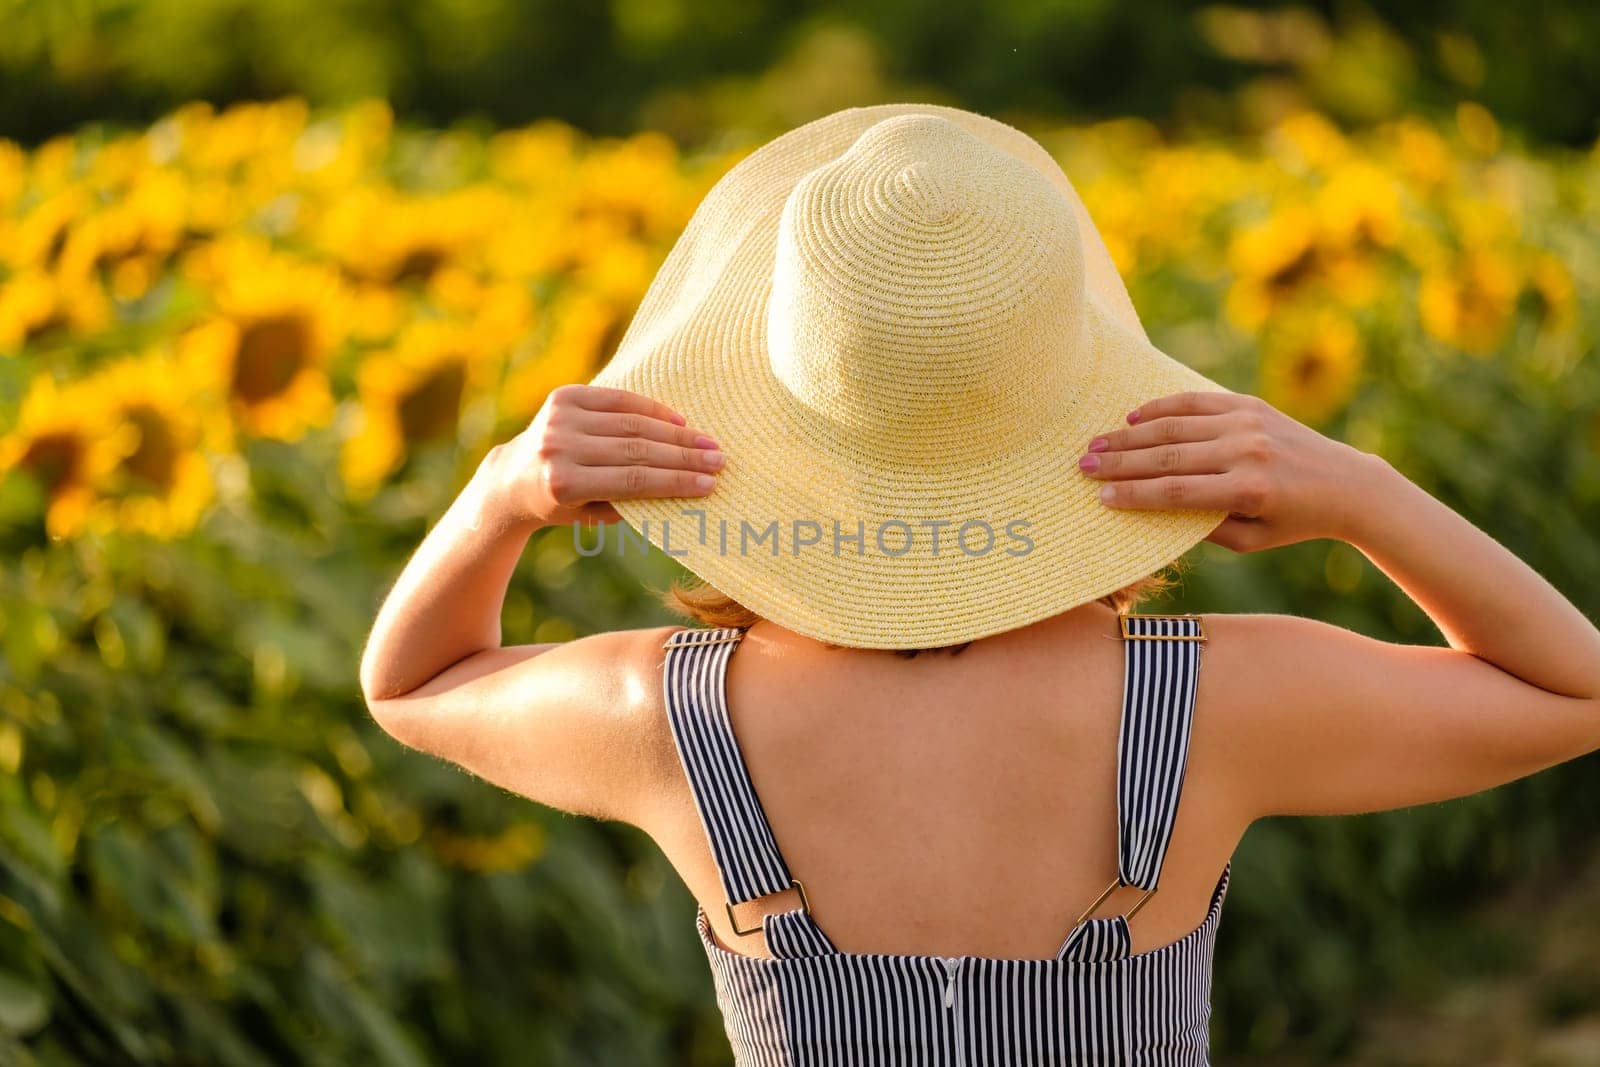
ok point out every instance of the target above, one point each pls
(274, 275)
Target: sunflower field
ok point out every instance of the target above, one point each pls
(248, 355)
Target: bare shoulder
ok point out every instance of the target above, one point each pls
(1263, 679)
(1260, 659)
(612, 674)
(1230, 629)
(617, 675)
(1255, 643)
(1260, 662)
(617, 664)
(622, 670)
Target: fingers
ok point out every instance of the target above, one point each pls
(632, 424)
(1171, 429)
(1197, 474)
(582, 484)
(1194, 450)
(635, 439)
(1189, 457)
(1193, 491)
(604, 398)
(1180, 424)
(642, 452)
(593, 444)
(1193, 402)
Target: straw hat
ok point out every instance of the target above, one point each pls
(902, 328)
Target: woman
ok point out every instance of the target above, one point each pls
(888, 396)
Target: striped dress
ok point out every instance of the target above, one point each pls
(1095, 1002)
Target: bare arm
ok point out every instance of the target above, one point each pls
(1484, 600)
(1318, 719)
(446, 604)
(571, 725)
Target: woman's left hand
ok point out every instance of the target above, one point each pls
(589, 445)
(1280, 481)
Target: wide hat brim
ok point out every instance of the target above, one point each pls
(1022, 536)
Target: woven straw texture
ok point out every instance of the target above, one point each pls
(903, 328)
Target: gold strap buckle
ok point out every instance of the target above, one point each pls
(805, 905)
(1127, 629)
(1116, 883)
(688, 638)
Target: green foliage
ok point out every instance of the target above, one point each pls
(209, 853)
(1327, 916)
(606, 66)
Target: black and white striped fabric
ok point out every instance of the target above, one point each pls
(1094, 1003)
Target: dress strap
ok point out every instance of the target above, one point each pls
(742, 843)
(1162, 673)
(1160, 676)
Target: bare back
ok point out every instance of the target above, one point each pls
(954, 804)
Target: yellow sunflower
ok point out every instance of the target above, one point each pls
(161, 429)
(1308, 140)
(534, 153)
(585, 329)
(128, 240)
(1190, 182)
(1272, 262)
(412, 396)
(54, 164)
(1311, 363)
(383, 236)
(60, 441)
(1468, 301)
(617, 271)
(277, 321)
(1359, 206)
(1551, 284)
(534, 239)
(334, 152)
(1420, 154)
(13, 174)
(36, 305)
(240, 136)
(1120, 213)
(501, 312)
(637, 182)
(36, 239)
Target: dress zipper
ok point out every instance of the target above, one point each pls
(952, 965)
(952, 969)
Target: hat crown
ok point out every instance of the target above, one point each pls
(920, 189)
(902, 339)
(928, 295)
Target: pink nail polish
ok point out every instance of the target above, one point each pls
(1133, 416)
(1099, 444)
(679, 419)
(1089, 463)
(704, 442)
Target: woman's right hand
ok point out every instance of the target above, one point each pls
(1280, 481)
(590, 445)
